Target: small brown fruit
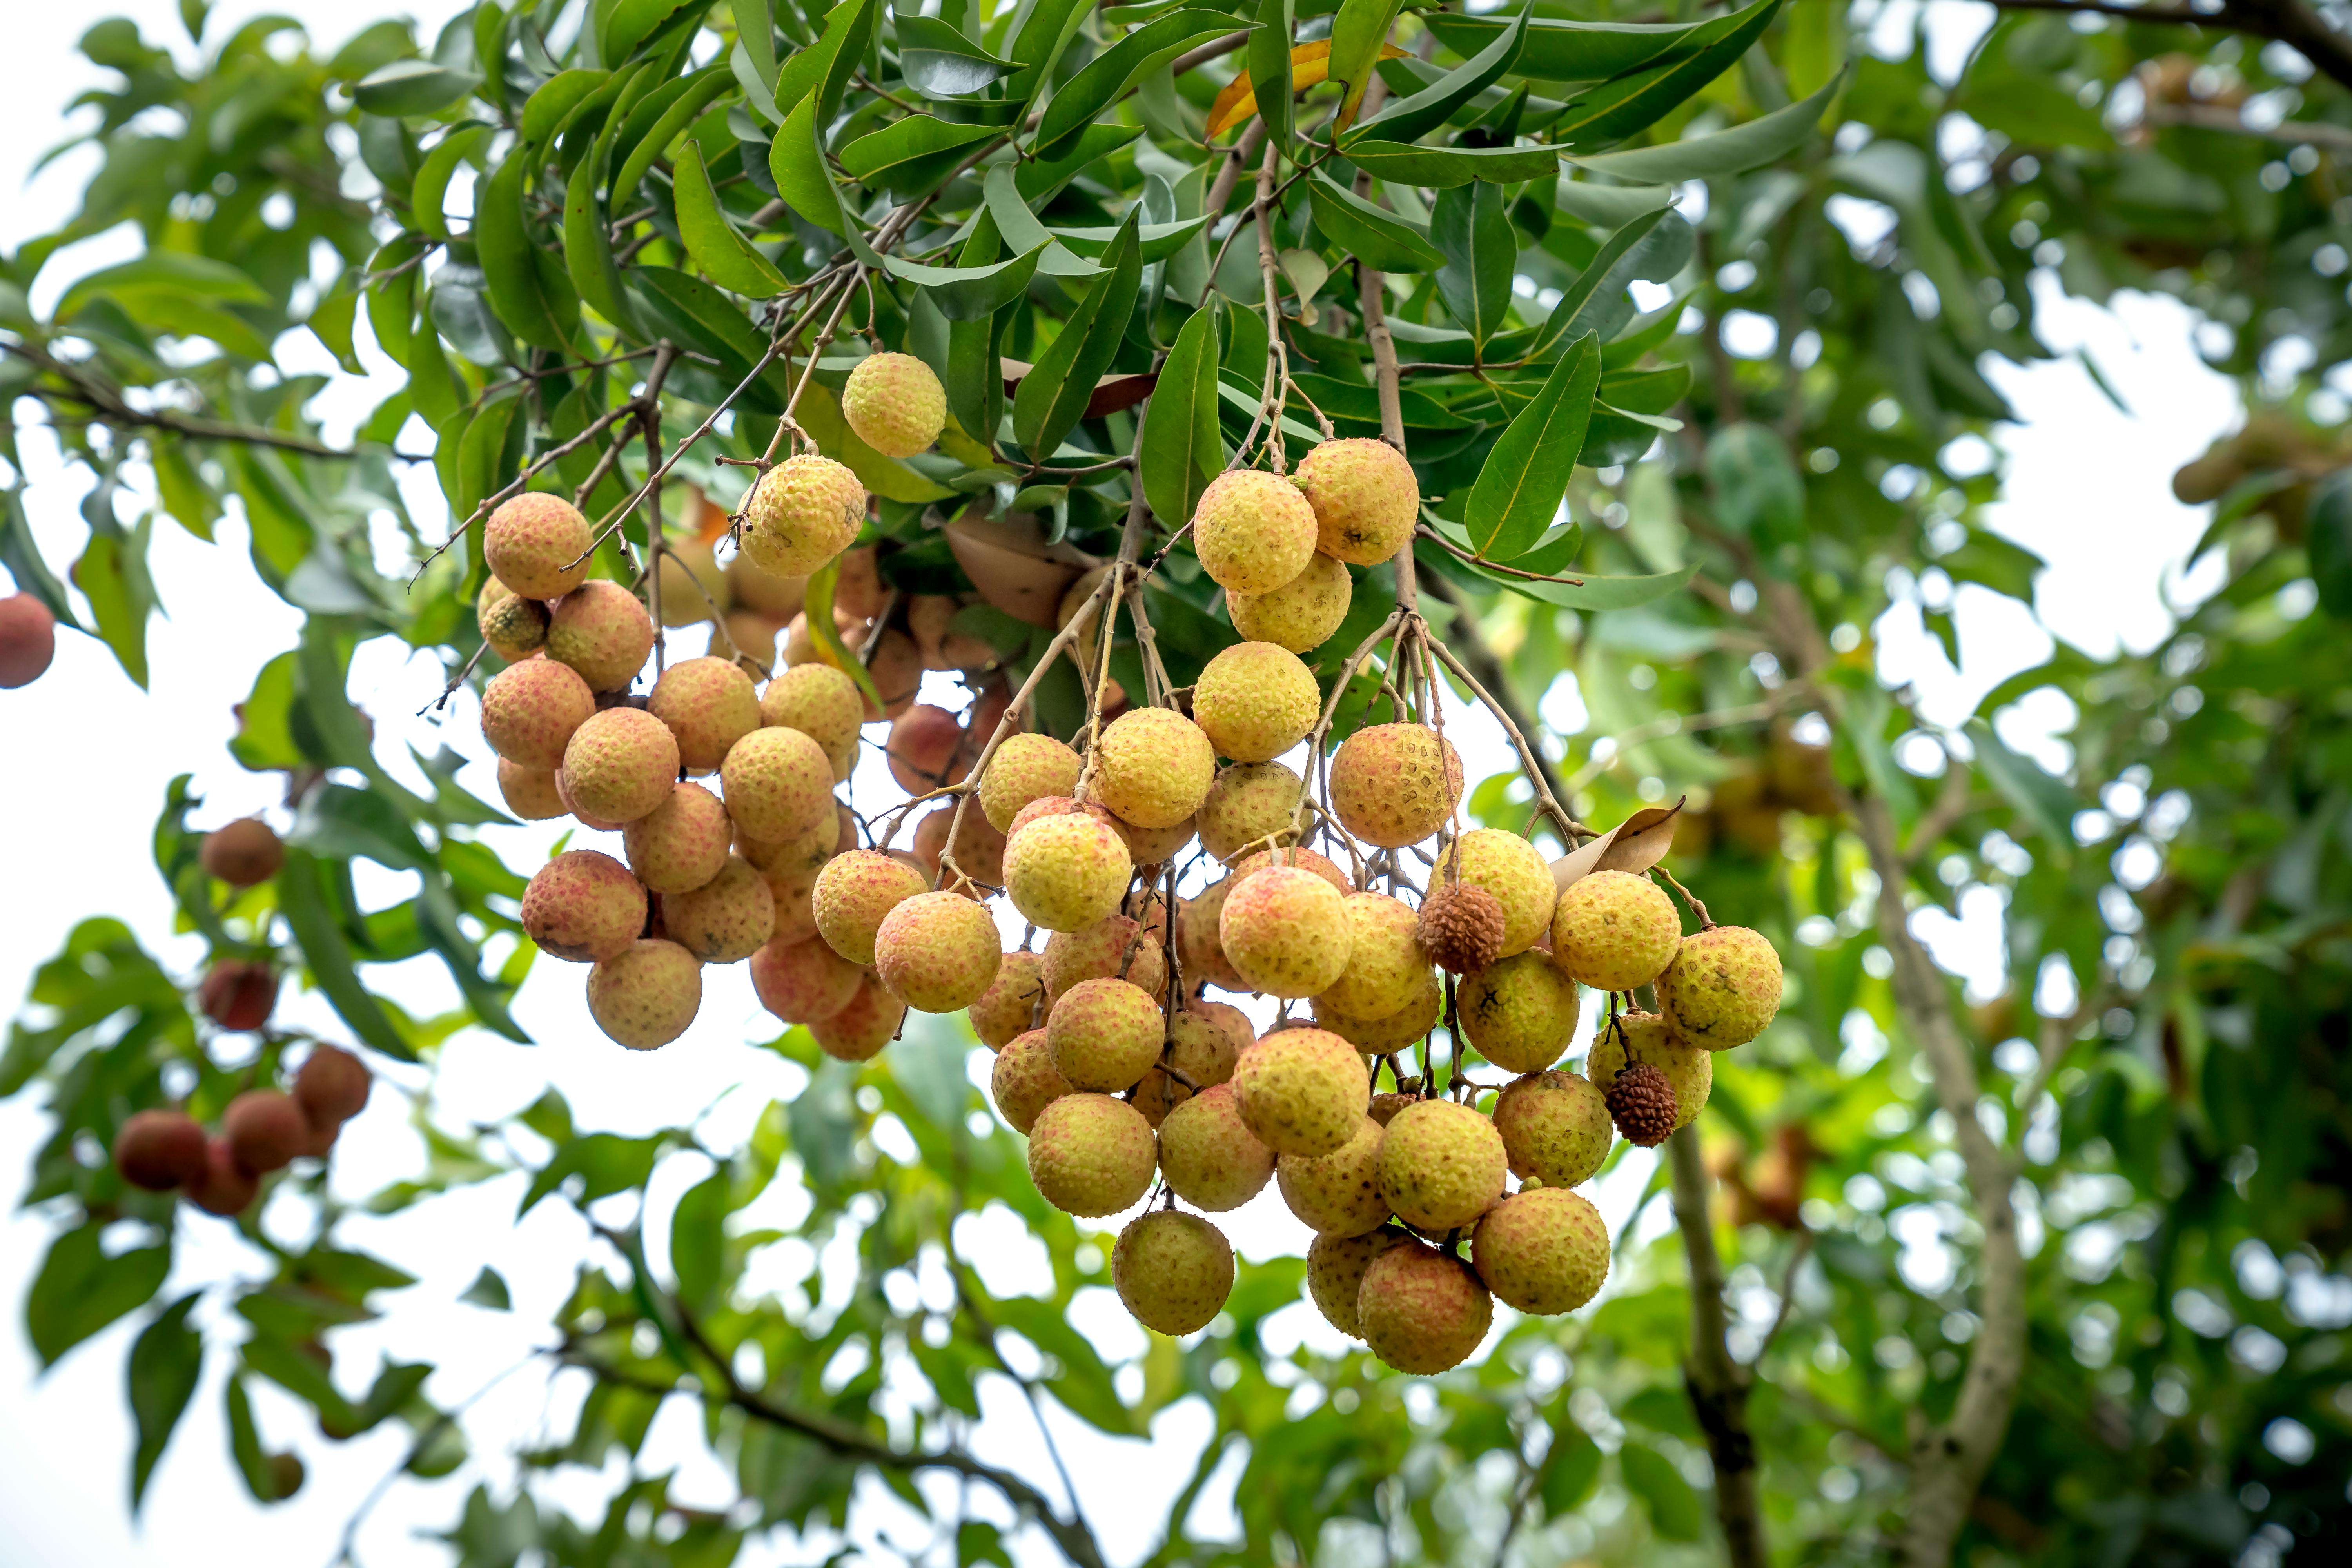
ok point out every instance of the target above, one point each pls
(265, 1130)
(244, 853)
(223, 1187)
(237, 995)
(1642, 1104)
(159, 1150)
(333, 1086)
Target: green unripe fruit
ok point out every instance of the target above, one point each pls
(1386, 966)
(1208, 1154)
(1335, 1274)
(1613, 931)
(1544, 1251)
(1339, 1194)
(1365, 498)
(1255, 701)
(895, 403)
(1442, 1164)
(1154, 767)
(1519, 1012)
(1302, 1091)
(802, 513)
(1285, 931)
(1025, 1081)
(1173, 1270)
(514, 626)
(1555, 1128)
(1091, 1155)
(1065, 873)
(1647, 1038)
(1722, 989)
(1106, 1035)
(1511, 868)
(1422, 1311)
(1300, 615)
(1253, 531)
(646, 998)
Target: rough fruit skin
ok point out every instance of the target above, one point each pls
(1091, 1155)
(531, 710)
(1155, 767)
(1302, 1091)
(1208, 1154)
(265, 1129)
(1461, 927)
(1173, 1270)
(1255, 701)
(1285, 931)
(1025, 1080)
(1065, 873)
(1394, 785)
(333, 1086)
(802, 856)
(238, 996)
(530, 792)
(1246, 803)
(28, 640)
(158, 1150)
(1253, 531)
(1299, 859)
(583, 907)
(1198, 942)
(1365, 498)
(1646, 1037)
(1386, 966)
(979, 848)
(1106, 1035)
(1300, 615)
(514, 626)
(1004, 1012)
(532, 542)
(1025, 768)
(1544, 1251)
(1153, 846)
(818, 700)
(803, 513)
(1511, 868)
(709, 705)
(725, 920)
(244, 853)
(1555, 1128)
(681, 844)
(1442, 1164)
(1201, 1046)
(1613, 931)
(223, 1187)
(1111, 948)
(1519, 1012)
(1421, 1311)
(645, 997)
(1642, 1104)
(1722, 989)
(1335, 1274)
(1380, 1036)
(854, 892)
(859, 1031)
(778, 785)
(895, 403)
(938, 953)
(1339, 1194)
(620, 765)
(803, 981)
(601, 630)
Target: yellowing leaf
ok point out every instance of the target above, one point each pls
(1310, 64)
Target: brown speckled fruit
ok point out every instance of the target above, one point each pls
(725, 920)
(1106, 1034)
(1339, 1194)
(1300, 615)
(531, 710)
(158, 1150)
(1642, 1104)
(223, 1187)
(1208, 1154)
(1441, 1165)
(1025, 1080)
(1647, 1038)
(1422, 1311)
(1394, 785)
(778, 783)
(1253, 531)
(1461, 927)
(1154, 768)
(802, 856)
(681, 844)
(1365, 498)
(1511, 868)
(514, 626)
(582, 906)
(1722, 989)
(859, 1031)
(1555, 1128)
(1401, 1028)
(803, 513)
(819, 701)
(895, 403)
(709, 705)
(1299, 859)
(1026, 767)
(620, 765)
(266, 1129)
(1173, 1270)
(1285, 931)
(1545, 1251)
(854, 891)
(1519, 1012)
(1613, 931)
(530, 792)
(1064, 873)
(1202, 1046)
(601, 630)
(1014, 1003)
(243, 853)
(803, 981)
(532, 541)
(938, 953)
(1115, 947)
(1386, 966)
(1091, 1155)
(1254, 700)
(646, 995)
(1335, 1274)
(1302, 1091)
(1248, 804)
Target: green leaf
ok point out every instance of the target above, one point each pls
(969, 293)
(552, 105)
(1053, 397)
(331, 320)
(1652, 1477)
(2048, 802)
(1571, 1469)
(113, 576)
(489, 1290)
(654, 123)
(1764, 140)
(824, 67)
(901, 154)
(1609, 206)
(588, 243)
(1358, 32)
(245, 1444)
(302, 899)
(413, 87)
(725, 258)
(1267, 59)
(1009, 207)
(1570, 52)
(1469, 228)
(1519, 489)
(1409, 119)
(2327, 521)
(1373, 235)
(939, 62)
(23, 559)
(79, 1289)
(165, 1362)
(630, 22)
(698, 1240)
(1096, 85)
(168, 273)
(1443, 167)
(827, 636)
(1757, 490)
(1180, 448)
(797, 163)
(508, 255)
(1588, 303)
(1619, 108)
(1046, 31)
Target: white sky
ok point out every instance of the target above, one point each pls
(2089, 492)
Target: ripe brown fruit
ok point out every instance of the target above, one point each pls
(223, 1187)
(332, 1087)
(159, 1150)
(1642, 1102)
(244, 853)
(239, 994)
(924, 743)
(28, 640)
(1461, 927)
(266, 1129)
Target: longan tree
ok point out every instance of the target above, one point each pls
(1221, 400)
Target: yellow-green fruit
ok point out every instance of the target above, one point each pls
(1555, 1128)
(894, 404)
(819, 701)
(1511, 868)
(586, 818)
(1204, 1047)
(1335, 1274)
(1647, 1038)
(1394, 785)
(530, 792)
(1255, 701)
(1421, 1311)
(681, 844)
(1154, 768)
(1302, 1091)
(514, 626)
(1518, 1012)
(1106, 1035)
(1198, 943)
(1544, 1251)
(1173, 1270)
(1246, 803)
(854, 892)
(709, 705)
(1114, 947)
(1298, 859)
(645, 997)
(778, 785)
(692, 582)
(1025, 1080)
(803, 981)
(532, 541)
(1300, 615)
(1253, 531)
(1614, 931)
(1153, 846)
(803, 513)
(530, 711)
(582, 906)
(795, 907)
(799, 856)
(1005, 1010)
(938, 951)
(1091, 1155)
(1365, 497)
(725, 920)
(1025, 768)
(601, 630)
(1285, 931)
(620, 764)
(1386, 1106)
(763, 593)
(1386, 967)
(1378, 1036)
(1723, 987)
(1442, 1164)
(1339, 1194)
(1208, 1154)
(1065, 873)
(859, 1031)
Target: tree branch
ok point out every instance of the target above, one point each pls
(110, 408)
(1717, 1384)
(2291, 22)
